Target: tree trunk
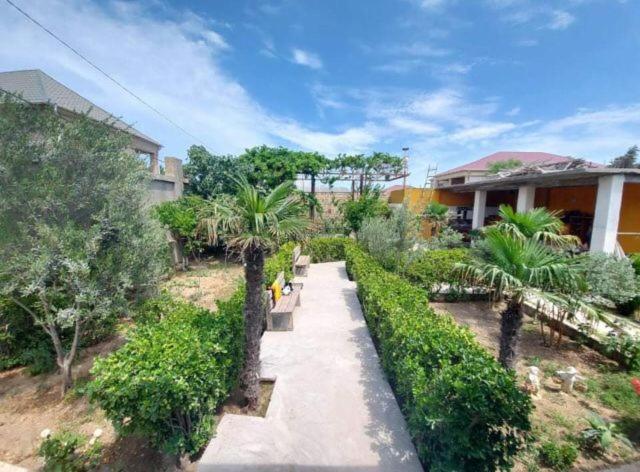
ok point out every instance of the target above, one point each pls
(253, 312)
(312, 207)
(67, 379)
(510, 325)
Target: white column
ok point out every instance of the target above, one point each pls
(604, 235)
(479, 209)
(526, 198)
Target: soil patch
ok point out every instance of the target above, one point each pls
(206, 281)
(237, 405)
(556, 416)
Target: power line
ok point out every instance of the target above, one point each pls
(102, 71)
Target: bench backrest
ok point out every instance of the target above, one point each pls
(296, 253)
(280, 279)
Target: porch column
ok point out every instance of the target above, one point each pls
(479, 209)
(526, 198)
(604, 234)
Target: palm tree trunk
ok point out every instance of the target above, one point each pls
(510, 325)
(253, 313)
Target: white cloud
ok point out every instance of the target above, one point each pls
(514, 111)
(306, 58)
(527, 43)
(180, 76)
(418, 49)
(414, 126)
(215, 39)
(484, 131)
(560, 19)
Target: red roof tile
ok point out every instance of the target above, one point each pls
(524, 157)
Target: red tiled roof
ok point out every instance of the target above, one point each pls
(524, 157)
(388, 190)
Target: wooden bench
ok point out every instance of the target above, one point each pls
(300, 263)
(280, 316)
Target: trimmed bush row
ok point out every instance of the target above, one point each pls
(327, 249)
(180, 363)
(167, 381)
(463, 410)
(435, 267)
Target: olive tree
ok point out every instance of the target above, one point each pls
(77, 242)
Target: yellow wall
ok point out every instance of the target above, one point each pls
(630, 218)
(566, 199)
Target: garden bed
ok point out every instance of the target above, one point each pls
(30, 404)
(557, 417)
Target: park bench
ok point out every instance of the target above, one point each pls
(280, 315)
(300, 263)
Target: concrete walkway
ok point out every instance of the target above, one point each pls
(331, 408)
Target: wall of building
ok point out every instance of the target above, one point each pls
(630, 219)
(167, 186)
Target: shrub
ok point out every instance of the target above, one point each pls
(447, 238)
(464, 411)
(69, 452)
(167, 381)
(432, 269)
(181, 218)
(600, 435)
(610, 278)
(626, 348)
(368, 205)
(281, 261)
(559, 457)
(327, 249)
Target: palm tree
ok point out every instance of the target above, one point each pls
(518, 269)
(253, 224)
(539, 224)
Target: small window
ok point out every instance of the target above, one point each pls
(457, 180)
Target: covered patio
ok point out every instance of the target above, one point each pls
(599, 205)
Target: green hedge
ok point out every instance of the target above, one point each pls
(463, 410)
(435, 267)
(327, 249)
(167, 381)
(281, 261)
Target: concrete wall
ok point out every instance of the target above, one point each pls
(167, 186)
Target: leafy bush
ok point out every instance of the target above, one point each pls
(181, 218)
(432, 269)
(368, 205)
(167, 381)
(281, 261)
(447, 238)
(389, 240)
(559, 457)
(610, 278)
(600, 435)
(627, 349)
(327, 249)
(464, 411)
(67, 451)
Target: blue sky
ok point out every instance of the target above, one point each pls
(452, 79)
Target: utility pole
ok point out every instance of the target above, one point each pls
(405, 159)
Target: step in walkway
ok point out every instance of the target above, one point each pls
(331, 408)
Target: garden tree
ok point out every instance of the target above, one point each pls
(367, 166)
(76, 238)
(498, 166)
(539, 224)
(253, 223)
(269, 167)
(517, 269)
(368, 205)
(627, 160)
(437, 214)
(210, 175)
(311, 164)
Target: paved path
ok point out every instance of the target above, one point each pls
(331, 408)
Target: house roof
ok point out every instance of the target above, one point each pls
(545, 179)
(527, 158)
(35, 86)
(388, 190)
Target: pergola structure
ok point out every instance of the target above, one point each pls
(361, 177)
